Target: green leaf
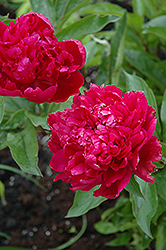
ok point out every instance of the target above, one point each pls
(160, 238)
(163, 117)
(159, 21)
(134, 82)
(24, 149)
(5, 236)
(117, 51)
(2, 193)
(15, 103)
(133, 187)
(121, 240)
(17, 120)
(138, 7)
(1, 109)
(20, 172)
(157, 31)
(102, 9)
(45, 7)
(103, 70)
(83, 202)
(145, 209)
(3, 140)
(148, 67)
(90, 24)
(67, 10)
(38, 120)
(163, 149)
(160, 180)
(105, 227)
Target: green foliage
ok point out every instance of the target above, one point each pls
(131, 55)
(145, 209)
(83, 202)
(2, 193)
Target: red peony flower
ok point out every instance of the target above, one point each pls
(103, 139)
(34, 65)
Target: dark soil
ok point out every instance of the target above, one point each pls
(36, 219)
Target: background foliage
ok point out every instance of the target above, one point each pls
(126, 46)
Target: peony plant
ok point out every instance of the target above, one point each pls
(107, 136)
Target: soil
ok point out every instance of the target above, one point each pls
(35, 218)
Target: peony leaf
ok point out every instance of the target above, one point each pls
(106, 227)
(160, 237)
(148, 67)
(3, 139)
(83, 202)
(145, 209)
(138, 7)
(1, 109)
(17, 120)
(133, 187)
(159, 21)
(24, 148)
(45, 7)
(163, 117)
(15, 103)
(159, 32)
(38, 120)
(134, 82)
(65, 8)
(117, 51)
(102, 9)
(90, 24)
(160, 180)
(121, 240)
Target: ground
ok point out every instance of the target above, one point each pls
(35, 218)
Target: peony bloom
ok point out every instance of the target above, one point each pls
(34, 65)
(103, 139)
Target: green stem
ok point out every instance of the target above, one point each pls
(17, 171)
(74, 239)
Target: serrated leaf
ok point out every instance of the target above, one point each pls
(121, 240)
(45, 7)
(83, 202)
(133, 187)
(24, 149)
(163, 117)
(145, 209)
(90, 24)
(1, 109)
(117, 50)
